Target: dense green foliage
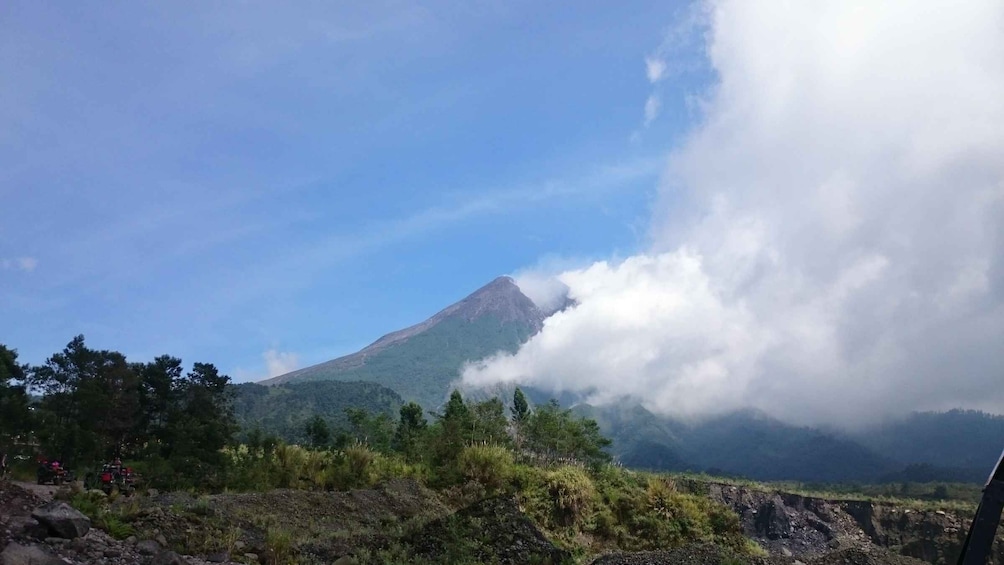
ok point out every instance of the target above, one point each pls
(467, 441)
(422, 367)
(95, 406)
(15, 418)
(285, 410)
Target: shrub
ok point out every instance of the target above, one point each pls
(115, 526)
(89, 503)
(278, 547)
(490, 465)
(572, 492)
(356, 468)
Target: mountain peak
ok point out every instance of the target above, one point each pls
(497, 316)
(501, 298)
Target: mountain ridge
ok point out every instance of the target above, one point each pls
(421, 361)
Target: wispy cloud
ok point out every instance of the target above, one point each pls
(597, 181)
(25, 264)
(680, 52)
(652, 106)
(655, 68)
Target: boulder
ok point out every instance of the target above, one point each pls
(17, 554)
(148, 547)
(62, 520)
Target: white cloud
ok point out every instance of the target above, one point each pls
(828, 245)
(26, 264)
(280, 362)
(544, 289)
(655, 69)
(652, 106)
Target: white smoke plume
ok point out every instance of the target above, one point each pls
(280, 362)
(829, 242)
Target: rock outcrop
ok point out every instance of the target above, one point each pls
(62, 520)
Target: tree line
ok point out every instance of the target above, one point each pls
(547, 431)
(84, 406)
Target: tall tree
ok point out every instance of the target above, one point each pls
(203, 422)
(318, 432)
(158, 393)
(488, 423)
(376, 431)
(556, 432)
(90, 407)
(410, 427)
(520, 413)
(15, 417)
(520, 407)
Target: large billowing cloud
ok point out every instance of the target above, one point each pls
(829, 242)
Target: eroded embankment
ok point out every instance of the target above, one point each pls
(805, 527)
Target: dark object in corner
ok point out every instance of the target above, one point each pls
(988, 515)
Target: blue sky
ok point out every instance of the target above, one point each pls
(220, 180)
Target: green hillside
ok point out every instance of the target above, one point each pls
(284, 410)
(422, 367)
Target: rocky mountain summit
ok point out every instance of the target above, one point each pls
(421, 361)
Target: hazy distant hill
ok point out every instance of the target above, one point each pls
(420, 362)
(744, 443)
(284, 410)
(957, 446)
(959, 443)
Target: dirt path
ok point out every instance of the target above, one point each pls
(45, 492)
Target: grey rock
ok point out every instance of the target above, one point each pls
(131, 540)
(786, 552)
(161, 540)
(112, 553)
(62, 520)
(221, 557)
(56, 541)
(17, 554)
(168, 557)
(772, 520)
(252, 557)
(148, 547)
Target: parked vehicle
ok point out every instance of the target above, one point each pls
(113, 477)
(52, 473)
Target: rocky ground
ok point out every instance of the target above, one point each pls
(401, 521)
(37, 530)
